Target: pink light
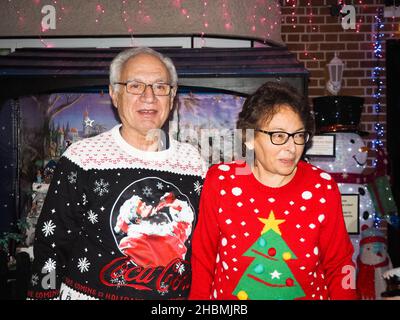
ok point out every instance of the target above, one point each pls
(184, 11)
(228, 26)
(176, 3)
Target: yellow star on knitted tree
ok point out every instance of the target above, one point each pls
(271, 223)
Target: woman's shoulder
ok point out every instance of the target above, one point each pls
(227, 171)
(314, 173)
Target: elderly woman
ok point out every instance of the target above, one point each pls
(278, 231)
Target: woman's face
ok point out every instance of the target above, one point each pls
(278, 160)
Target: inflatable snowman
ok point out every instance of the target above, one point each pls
(339, 116)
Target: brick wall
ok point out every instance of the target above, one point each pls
(315, 38)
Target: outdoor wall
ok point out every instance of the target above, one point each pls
(315, 35)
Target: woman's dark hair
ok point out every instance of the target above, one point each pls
(263, 104)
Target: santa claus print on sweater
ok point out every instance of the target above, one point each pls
(152, 232)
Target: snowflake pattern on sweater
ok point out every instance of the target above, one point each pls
(270, 243)
(117, 222)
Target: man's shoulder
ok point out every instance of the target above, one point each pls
(99, 139)
(185, 148)
(89, 146)
(189, 156)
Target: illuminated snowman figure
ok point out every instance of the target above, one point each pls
(349, 161)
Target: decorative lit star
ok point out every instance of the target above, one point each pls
(275, 274)
(271, 223)
(89, 123)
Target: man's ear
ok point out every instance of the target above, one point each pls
(172, 99)
(113, 95)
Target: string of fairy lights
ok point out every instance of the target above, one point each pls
(135, 12)
(376, 78)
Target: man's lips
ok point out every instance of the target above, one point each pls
(147, 111)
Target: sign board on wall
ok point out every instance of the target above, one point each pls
(351, 213)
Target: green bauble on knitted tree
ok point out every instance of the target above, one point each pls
(268, 276)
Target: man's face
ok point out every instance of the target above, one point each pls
(141, 113)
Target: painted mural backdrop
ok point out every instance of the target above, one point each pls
(210, 118)
(50, 123)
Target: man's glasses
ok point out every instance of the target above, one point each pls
(281, 137)
(137, 87)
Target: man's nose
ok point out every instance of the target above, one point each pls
(148, 94)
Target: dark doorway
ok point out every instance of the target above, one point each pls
(393, 133)
(393, 111)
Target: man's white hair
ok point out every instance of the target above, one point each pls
(118, 62)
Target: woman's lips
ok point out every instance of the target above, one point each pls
(287, 162)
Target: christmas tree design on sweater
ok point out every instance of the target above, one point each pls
(268, 275)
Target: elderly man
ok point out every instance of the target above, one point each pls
(105, 231)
